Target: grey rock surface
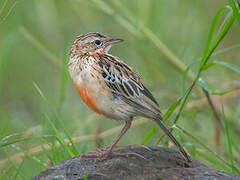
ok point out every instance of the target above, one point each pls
(151, 163)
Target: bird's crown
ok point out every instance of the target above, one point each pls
(93, 43)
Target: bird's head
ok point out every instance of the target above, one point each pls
(93, 44)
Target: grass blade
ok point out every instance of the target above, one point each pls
(226, 26)
(211, 34)
(13, 141)
(75, 149)
(236, 9)
(85, 175)
(15, 167)
(60, 137)
(204, 85)
(5, 174)
(18, 170)
(149, 135)
(208, 149)
(213, 161)
(170, 110)
(228, 65)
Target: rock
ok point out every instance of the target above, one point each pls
(151, 162)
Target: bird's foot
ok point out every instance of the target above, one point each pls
(118, 147)
(102, 154)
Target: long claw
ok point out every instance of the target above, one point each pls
(102, 154)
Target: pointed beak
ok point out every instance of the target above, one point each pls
(114, 41)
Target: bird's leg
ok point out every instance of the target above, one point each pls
(104, 153)
(123, 131)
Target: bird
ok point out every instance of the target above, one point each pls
(110, 87)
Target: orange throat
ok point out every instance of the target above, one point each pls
(101, 52)
(87, 98)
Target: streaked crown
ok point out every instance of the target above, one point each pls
(93, 44)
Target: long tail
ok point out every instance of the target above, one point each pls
(172, 138)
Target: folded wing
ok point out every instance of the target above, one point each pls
(127, 84)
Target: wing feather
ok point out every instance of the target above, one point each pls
(126, 82)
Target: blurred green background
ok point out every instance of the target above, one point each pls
(35, 38)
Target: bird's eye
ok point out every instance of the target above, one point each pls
(97, 42)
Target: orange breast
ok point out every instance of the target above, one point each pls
(87, 98)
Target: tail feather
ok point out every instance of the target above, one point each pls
(172, 138)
